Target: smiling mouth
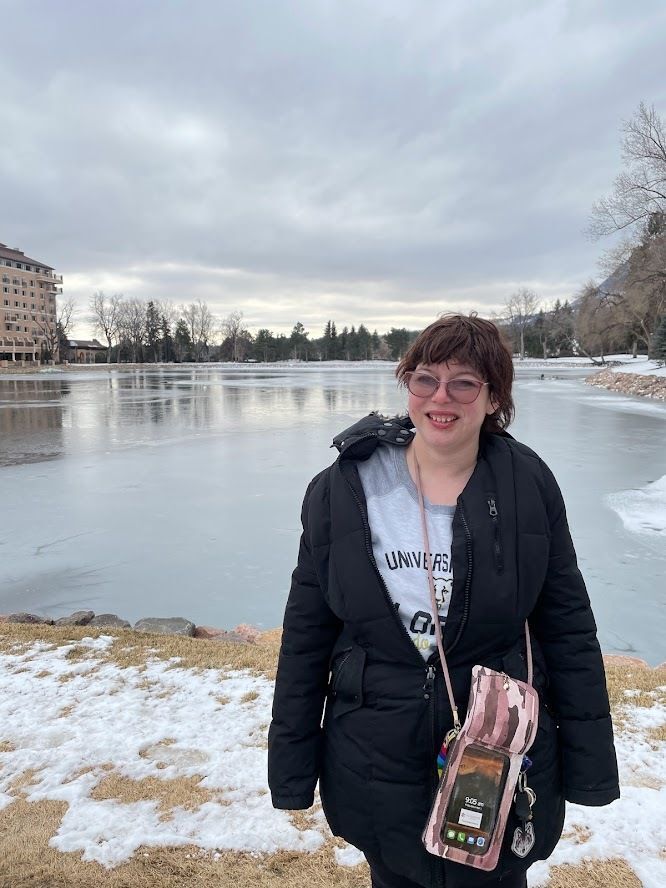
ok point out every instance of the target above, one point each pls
(442, 420)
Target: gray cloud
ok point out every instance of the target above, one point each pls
(362, 161)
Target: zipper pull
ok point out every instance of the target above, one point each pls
(492, 508)
(429, 682)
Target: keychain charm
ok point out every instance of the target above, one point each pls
(523, 840)
(523, 836)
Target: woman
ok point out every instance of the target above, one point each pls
(359, 632)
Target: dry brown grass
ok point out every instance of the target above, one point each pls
(131, 648)
(27, 861)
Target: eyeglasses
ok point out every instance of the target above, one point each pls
(424, 385)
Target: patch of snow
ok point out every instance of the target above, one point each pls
(349, 856)
(166, 722)
(76, 718)
(644, 510)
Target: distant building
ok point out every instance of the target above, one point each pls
(81, 351)
(27, 308)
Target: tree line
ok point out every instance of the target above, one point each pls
(155, 331)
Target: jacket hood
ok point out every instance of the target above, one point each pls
(359, 440)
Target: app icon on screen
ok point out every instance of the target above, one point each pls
(461, 836)
(470, 840)
(451, 834)
(480, 841)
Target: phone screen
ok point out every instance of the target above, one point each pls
(477, 792)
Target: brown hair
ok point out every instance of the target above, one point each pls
(469, 340)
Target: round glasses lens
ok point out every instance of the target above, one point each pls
(464, 390)
(422, 384)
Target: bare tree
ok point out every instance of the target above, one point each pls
(637, 291)
(53, 334)
(640, 191)
(235, 334)
(132, 326)
(520, 308)
(599, 326)
(104, 312)
(200, 324)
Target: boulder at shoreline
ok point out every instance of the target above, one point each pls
(241, 634)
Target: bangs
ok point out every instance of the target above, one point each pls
(462, 348)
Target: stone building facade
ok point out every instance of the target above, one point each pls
(28, 292)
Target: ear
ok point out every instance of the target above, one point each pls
(493, 407)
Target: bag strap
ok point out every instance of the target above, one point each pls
(433, 602)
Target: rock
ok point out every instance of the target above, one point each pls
(78, 618)
(631, 384)
(165, 626)
(109, 621)
(213, 634)
(249, 633)
(28, 618)
(3, 618)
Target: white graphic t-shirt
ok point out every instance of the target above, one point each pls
(397, 543)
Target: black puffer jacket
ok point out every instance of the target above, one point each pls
(385, 718)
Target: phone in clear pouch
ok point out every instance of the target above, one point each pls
(475, 799)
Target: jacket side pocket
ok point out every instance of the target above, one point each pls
(346, 688)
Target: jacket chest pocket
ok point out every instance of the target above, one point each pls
(346, 685)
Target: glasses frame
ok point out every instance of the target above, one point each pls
(407, 377)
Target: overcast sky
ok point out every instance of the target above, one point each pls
(374, 162)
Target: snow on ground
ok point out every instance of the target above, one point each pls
(623, 363)
(643, 510)
(70, 720)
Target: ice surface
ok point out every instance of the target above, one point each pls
(177, 491)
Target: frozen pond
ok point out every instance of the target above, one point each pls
(177, 491)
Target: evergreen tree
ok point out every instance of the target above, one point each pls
(264, 343)
(659, 341)
(153, 329)
(166, 340)
(326, 342)
(182, 341)
(364, 343)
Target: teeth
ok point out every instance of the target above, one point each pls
(443, 419)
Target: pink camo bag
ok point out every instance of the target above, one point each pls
(483, 768)
(469, 814)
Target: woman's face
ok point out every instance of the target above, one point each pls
(442, 422)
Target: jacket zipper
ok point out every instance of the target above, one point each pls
(468, 580)
(497, 539)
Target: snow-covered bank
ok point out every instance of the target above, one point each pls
(642, 511)
(149, 752)
(652, 385)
